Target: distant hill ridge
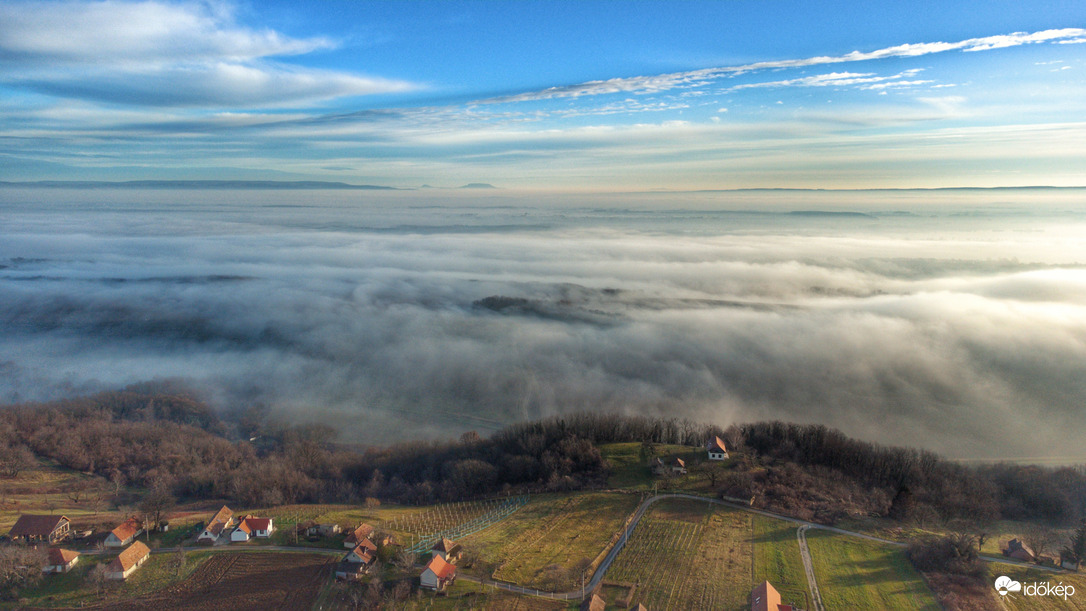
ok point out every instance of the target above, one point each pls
(196, 184)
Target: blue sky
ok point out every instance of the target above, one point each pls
(547, 95)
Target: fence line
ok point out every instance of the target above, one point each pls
(500, 511)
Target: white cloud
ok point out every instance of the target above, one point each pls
(162, 54)
(693, 78)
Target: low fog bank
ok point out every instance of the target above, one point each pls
(961, 329)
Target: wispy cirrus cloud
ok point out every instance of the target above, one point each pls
(694, 78)
(163, 54)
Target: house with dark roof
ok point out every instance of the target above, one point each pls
(716, 448)
(60, 560)
(125, 533)
(447, 549)
(250, 527)
(30, 528)
(220, 522)
(1018, 550)
(128, 561)
(438, 574)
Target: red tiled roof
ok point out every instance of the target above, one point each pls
(58, 556)
(362, 532)
(127, 529)
(129, 557)
(717, 445)
(258, 523)
(220, 520)
(441, 568)
(31, 525)
(593, 603)
(765, 597)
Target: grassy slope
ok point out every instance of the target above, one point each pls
(551, 530)
(777, 559)
(855, 574)
(1019, 602)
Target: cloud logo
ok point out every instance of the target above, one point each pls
(1004, 584)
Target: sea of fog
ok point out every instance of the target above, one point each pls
(953, 320)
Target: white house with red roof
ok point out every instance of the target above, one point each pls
(125, 533)
(438, 574)
(221, 521)
(250, 527)
(717, 451)
(60, 560)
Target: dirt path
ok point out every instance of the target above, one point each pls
(808, 567)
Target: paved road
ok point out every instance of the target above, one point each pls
(808, 567)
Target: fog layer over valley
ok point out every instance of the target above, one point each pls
(950, 320)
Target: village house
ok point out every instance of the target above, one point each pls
(765, 597)
(327, 530)
(594, 602)
(438, 574)
(250, 527)
(448, 550)
(678, 466)
(639, 607)
(358, 561)
(358, 535)
(60, 560)
(1018, 550)
(125, 533)
(221, 521)
(30, 528)
(128, 561)
(717, 451)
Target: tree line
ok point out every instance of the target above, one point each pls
(164, 439)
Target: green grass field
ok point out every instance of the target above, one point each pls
(777, 560)
(857, 574)
(537, 545)
(688, 555)
(1018, 601)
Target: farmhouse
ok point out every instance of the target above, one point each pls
(222, 520)
(717, 451)
(765, 597)
(125, 533)
(358, 535)
(250, 527)
(438, 574)
(129, 560)
(358, 561)
(60, 560)
(1018, 550)
(47, 528)
(678, 466)
(448, 550)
